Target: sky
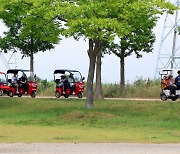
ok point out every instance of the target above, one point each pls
(71, 54)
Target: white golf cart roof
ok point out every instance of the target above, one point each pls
(168, 71)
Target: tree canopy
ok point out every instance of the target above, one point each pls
(30, 30)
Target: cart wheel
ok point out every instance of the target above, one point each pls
(57, 94)
(66, 95)
(174, 98)
(1, 92)
(11, 94)
(163, 97)
(80, 95)
(33, 94)
(19, 95)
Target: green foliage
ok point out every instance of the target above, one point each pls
(35, 25)
(29, 28)
(142, 17)
(108, 19)
(91, 20)
(46, 88)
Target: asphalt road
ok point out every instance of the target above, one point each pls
(88, 148)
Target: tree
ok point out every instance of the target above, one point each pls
(138, 42)
(141, 38)
(30, 30)
(98, 88)
(100, 21)
(89, 19)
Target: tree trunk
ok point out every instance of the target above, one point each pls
(98, 89)
(92, 59)
(31, 61)
(122, 73)
(32, 56)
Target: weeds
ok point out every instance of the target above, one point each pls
(140, 88)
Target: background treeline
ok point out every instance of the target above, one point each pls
(140, 88)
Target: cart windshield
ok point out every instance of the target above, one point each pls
(29, 75)
(69, 75)
(2, 78)
(19, 74)
(77, 76)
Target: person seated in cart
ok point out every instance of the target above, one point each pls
(177, 81)
(63, 83)
(171, 86)
(14, 82)
(23, 82)
(164, 82)
(72, 82)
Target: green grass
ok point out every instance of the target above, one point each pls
(67, 120)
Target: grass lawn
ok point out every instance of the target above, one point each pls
(67, 120)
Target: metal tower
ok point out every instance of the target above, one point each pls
(169, 51)
(8, 60)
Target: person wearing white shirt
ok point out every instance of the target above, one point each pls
(14, 82)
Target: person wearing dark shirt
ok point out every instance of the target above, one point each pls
(177, 80)
(64, 83)
(23, 82)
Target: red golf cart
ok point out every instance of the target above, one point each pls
(28, 87)
(4, 88)
(68, 82)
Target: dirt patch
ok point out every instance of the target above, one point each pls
(79, 115)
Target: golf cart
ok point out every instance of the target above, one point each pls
(165, 92)
(29, 87)
(4, 88)
(68, 82)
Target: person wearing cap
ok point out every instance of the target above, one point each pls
(177, 80)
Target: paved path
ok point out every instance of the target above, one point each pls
(136, 99)
(74, 97)
(88, 148)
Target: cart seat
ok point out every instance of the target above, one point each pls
(57, 80)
